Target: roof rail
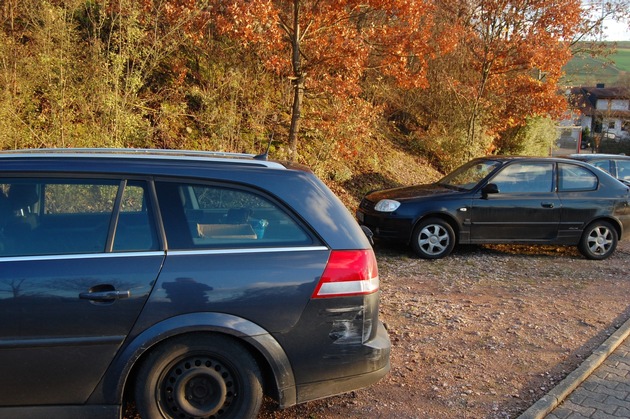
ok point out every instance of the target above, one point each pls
(141, 153)
(159, 151)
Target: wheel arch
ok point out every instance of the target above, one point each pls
(618, 226)
(278, 375)
(596, 244)
(440, 215)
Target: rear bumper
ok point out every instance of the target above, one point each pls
(375, 354)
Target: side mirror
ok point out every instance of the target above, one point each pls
(490, 188)
(368, 233)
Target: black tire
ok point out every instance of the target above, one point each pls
(199, 376)
(598, 241)
(433, 239)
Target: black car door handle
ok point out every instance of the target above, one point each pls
(547, 204)
(105, 295)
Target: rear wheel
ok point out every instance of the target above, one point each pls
(197, 376)
(599, 240)
(433, 239)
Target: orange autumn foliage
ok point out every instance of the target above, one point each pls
(510, 53)
(516, 49)
(340, 40)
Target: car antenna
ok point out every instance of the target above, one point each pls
(265, 155)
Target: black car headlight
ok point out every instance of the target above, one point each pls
(387, 205)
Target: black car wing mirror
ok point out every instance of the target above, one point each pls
(368, 233)
(490, 188)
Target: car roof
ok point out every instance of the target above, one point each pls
(140, 154)
(597, 156)
(517, 158)
(564, 159)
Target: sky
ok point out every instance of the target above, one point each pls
(613, 30)
(616, 31)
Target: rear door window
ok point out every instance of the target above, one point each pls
(215, 216)
(135, 227)
(68, 216)
(575, 178)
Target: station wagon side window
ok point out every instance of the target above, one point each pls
(602, 164)
(55, 216)
(48, 216)
(135, 227)
(210, 216)
(623, 169)
(525, 177)
(575, 178)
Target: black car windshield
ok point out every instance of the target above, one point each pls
(466, 177)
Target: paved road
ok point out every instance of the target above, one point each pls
(597, 389)
(604, 394)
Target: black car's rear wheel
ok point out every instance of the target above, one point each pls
(599, 240)
(199, 377)
(433, 239)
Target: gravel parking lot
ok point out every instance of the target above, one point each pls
(484, 332)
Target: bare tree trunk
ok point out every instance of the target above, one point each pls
(472, 121)
(298, 82)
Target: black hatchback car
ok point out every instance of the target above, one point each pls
(505, 200)
(194, 283)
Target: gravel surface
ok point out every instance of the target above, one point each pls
(485, 332)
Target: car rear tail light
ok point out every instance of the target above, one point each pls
(348, 273)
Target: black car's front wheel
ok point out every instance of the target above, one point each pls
(433, 239)
(199, 376)
(599, 240)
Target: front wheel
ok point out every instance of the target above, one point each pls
(210, 376)
(599, 240)
(433, 239)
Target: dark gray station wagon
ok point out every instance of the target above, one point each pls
(193, 283)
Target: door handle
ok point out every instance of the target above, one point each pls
(104, 293)
(547, 204)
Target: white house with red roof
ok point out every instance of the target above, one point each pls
(604, 111)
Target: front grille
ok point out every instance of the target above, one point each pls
(367, 205)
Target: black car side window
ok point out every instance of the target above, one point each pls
(525, 177)
(210, 216)
(575, 178)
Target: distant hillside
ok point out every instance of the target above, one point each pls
(588, 71)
